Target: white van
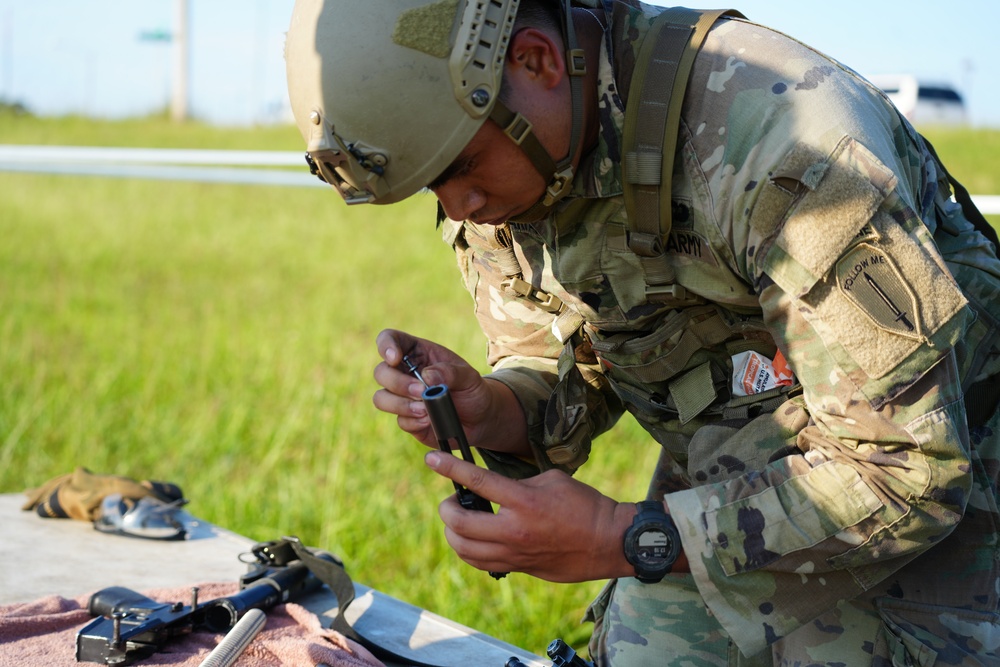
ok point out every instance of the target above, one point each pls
(923, 102)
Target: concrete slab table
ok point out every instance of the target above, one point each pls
(71, 559)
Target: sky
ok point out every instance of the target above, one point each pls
(96, 57)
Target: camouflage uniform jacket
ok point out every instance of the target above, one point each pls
(807, 218)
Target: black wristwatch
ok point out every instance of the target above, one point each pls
(652, 543)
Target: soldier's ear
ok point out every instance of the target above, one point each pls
(537, 57)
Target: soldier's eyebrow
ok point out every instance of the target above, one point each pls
(461, 165)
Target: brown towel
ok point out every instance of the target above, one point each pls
(43, 632)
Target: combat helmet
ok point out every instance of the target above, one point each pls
(387, 93)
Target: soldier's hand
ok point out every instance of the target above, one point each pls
(491, 416)
(549, 526)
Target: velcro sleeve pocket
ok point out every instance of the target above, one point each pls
(833, 197)
(867, 273)
(754, 531)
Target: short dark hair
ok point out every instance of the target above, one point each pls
(539, 14)
(545, 15)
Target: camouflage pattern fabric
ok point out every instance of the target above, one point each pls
(859, 516)
(632, 626)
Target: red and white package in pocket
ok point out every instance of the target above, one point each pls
(754, 373)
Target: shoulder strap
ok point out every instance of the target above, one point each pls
(652, 121)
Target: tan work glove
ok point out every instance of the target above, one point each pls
(78, 495)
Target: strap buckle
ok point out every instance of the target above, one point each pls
(559, 186)
(550, 303)
(577, 62)
(673, 294)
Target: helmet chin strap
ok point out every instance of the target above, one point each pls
(558, 175)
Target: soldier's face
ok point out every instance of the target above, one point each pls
(491, 181)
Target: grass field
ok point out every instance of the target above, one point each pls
(222, 337)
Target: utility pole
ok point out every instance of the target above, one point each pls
(7, 94)
(179, 98)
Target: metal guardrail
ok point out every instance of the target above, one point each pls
(110, 155)
(987, 204)
(209, 166)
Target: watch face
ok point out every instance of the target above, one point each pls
(653, 547)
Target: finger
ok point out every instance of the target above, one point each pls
(401, 406)
(470, 532)
(487, 556)
(449, 374)
(411, 417)
(445, 367)
(398, 381)
(472, 525)
(480, 481)
(419, 428)
(388, 347)
(393, 344)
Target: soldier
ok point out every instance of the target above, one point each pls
(777, 284)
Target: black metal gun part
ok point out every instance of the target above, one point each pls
(448, 429)
(562, 656)
(131, 626)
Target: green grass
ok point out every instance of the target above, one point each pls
(971, 157)
(156, 131)
(222, 337)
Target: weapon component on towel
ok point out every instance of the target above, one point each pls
(234, 643)
(131, 626)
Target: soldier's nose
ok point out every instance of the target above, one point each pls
(460, 203)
